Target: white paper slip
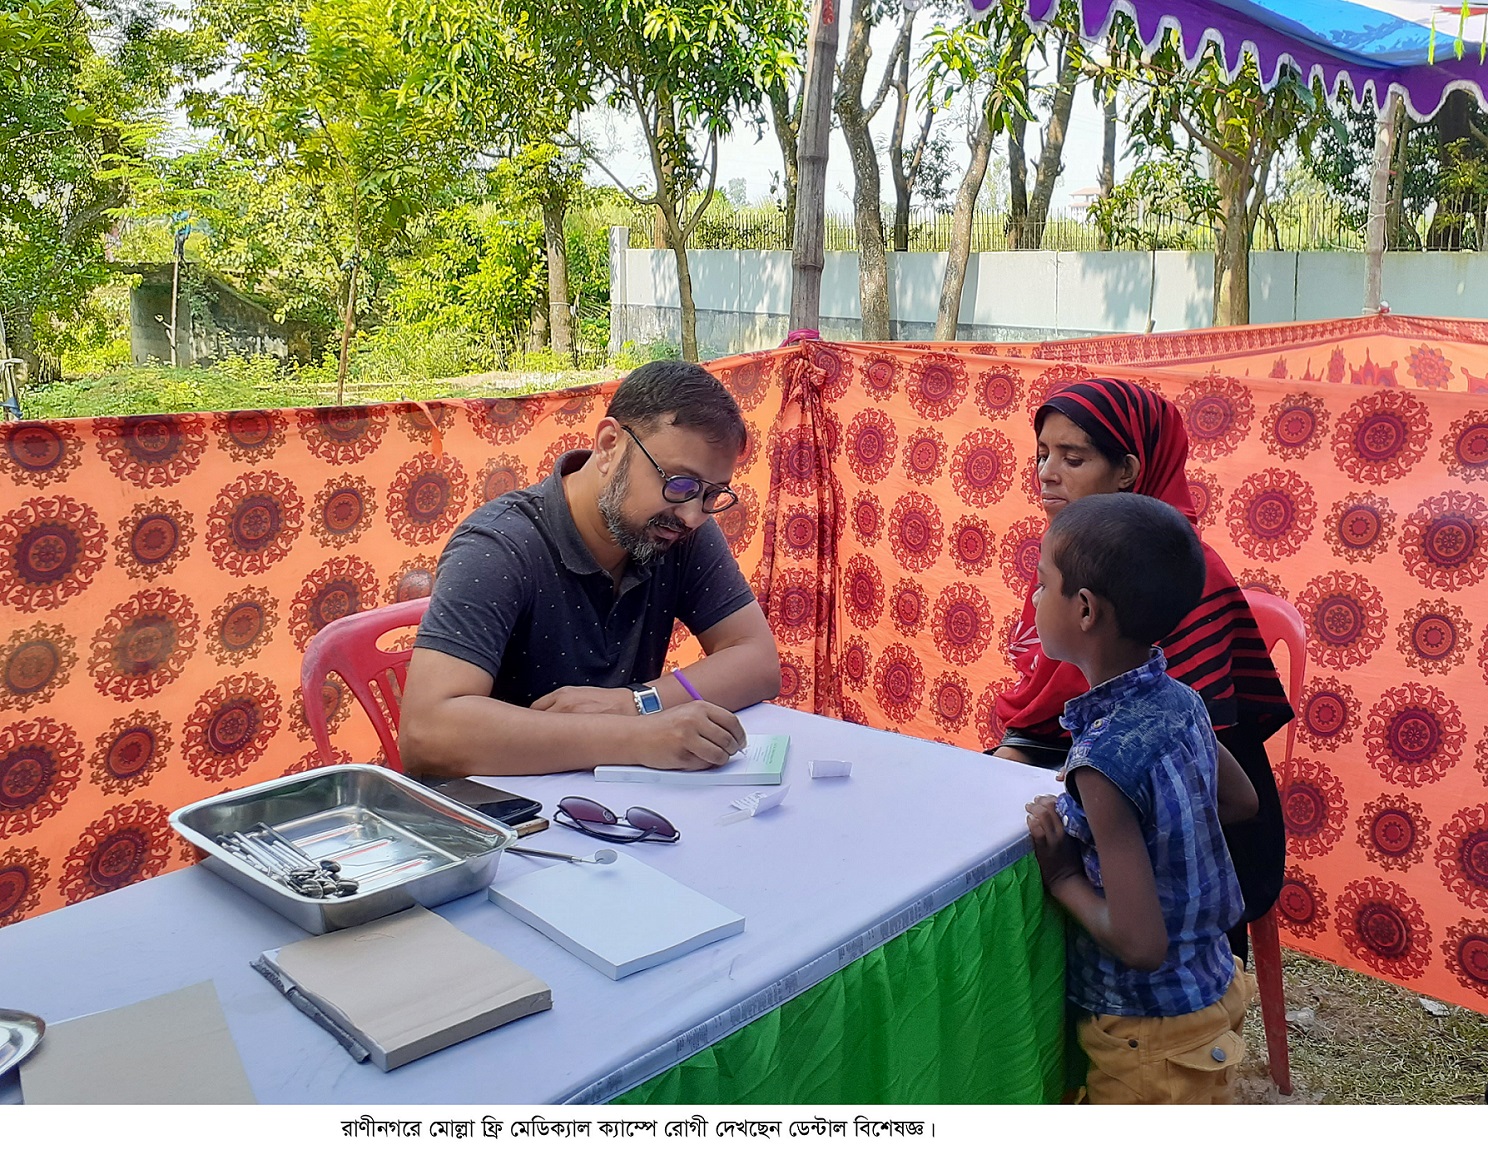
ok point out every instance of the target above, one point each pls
(760, 764)
(619, 918)
(747, 806)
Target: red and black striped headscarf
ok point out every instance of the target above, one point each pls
(1217, 648)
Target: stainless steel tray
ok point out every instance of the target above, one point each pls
(402, 842)
(19, 1034)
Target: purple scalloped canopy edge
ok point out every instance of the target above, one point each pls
(1422, 85)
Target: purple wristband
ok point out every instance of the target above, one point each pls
(686, 686)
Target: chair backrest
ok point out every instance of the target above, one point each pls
(1280, 622)
(349, 647)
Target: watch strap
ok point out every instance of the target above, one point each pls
(647, 699)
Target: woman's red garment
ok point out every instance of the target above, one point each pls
(1217, 648)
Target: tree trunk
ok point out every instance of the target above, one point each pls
(669, 208)
(1399, 234)
(1449, 223)
(1017, 180)
(348, 327)
(1232, 250)
(787, 132)
(1377, 227)
(175, 301)
(808, 233)
(689, 348)
(537, 328)
(1051, 154)
(1107, 177)
(873, 275)
(559, 321)
(21, 332)
(873, 268)
(958, 255)
(897, 170)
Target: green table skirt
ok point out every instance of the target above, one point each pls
(966, 1006)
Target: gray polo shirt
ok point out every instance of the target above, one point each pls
(518, 594)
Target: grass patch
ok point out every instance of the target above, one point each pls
(1367, 1042)
(234, 385)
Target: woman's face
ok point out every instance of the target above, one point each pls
(1070, 468)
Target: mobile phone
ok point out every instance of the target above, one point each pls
(493, 802)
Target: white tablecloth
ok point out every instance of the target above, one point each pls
(840, 867)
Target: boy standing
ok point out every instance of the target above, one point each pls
(1133, 850)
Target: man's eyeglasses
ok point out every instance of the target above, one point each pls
(598, 821)
(686, 488)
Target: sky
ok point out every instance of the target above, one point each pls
(745, 156)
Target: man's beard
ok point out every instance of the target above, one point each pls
(636, 539)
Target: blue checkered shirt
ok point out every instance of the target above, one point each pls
(1150, 735)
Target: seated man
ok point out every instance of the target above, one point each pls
(543, 646)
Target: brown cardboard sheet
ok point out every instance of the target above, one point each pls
(174, 1048)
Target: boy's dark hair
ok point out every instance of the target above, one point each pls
(686, 392)
(1136, 552)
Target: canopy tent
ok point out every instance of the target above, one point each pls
(1419, 50)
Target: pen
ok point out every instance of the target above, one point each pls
(686, 686)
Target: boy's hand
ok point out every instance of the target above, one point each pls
(1058, 855)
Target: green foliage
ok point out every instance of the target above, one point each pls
(1342, 162)
(1243, 124)
(1463, 198)
(1141, 210)
(80, 86)
(96, 342)
(1447, 176)
(361, 114)
(988, 57)
(471, 268)
(687, 70)
(260, 381)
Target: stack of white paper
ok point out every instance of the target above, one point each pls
(619, 918)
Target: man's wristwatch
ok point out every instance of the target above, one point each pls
(647, 701)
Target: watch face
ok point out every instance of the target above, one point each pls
(648, 702)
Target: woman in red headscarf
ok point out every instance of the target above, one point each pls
(1106, 435)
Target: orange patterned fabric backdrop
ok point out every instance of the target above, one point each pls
(162, 575)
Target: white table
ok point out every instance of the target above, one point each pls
(839, 868)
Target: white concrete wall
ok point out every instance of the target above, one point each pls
(743, 297)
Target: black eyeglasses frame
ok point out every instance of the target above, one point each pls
(705, 491)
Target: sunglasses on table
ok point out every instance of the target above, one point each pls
(686, 488)
(638, 824)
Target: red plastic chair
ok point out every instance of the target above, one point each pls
(348, 647)
(1279, 623)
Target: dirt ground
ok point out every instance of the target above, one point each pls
(1355, 1039)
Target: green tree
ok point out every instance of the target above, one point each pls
(365, 109)
(1439, 161)
(988, 62)
(1140, 212)
(80, 87)
(473, 268)
(1243, 125)
(685, 69)
(550, 177)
